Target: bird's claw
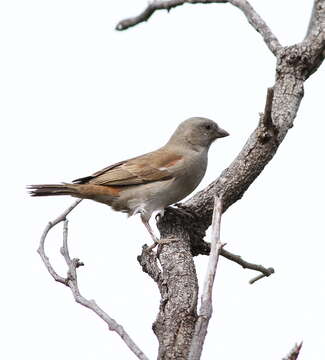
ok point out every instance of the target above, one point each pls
(159, 215)
(160, 242)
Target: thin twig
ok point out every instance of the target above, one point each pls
(72, 282)
(258, 24)
(205, 311)
(158, 5)
(268, 130)
(267, 116)
(261, 276)
(247, 265)
(294, 353)
(41, 249)
(252, 16)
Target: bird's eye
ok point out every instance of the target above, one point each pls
(208, 127)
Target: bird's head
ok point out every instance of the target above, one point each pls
(198, 132)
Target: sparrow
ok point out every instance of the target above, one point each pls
(150, 182)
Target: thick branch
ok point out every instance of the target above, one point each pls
(315, 36)
(72, 282)
(205, 312)
(252, 16)
(317, 19)
(176, 319)
(294, 66)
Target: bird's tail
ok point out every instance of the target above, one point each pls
(53, 189)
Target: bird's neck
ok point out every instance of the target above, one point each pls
(182, 144)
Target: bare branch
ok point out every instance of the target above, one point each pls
(258, 24)
(203, 248)
(205, 311)
(258, 150)
(41, 249)
(270, 271)
(315, 37)
(252, 16)
(175, 322)
(72, 282)
(158, 5)
(317, 19)
(267, 115)
(247, 265)
(294, 353)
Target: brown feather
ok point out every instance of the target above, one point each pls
(104, 194)
(139, 170)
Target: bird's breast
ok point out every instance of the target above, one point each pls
(158, 195)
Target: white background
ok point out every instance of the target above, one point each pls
(76, 95)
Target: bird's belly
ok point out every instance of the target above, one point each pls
(150, 197)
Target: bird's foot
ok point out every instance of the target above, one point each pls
(159, 215)
(160, 242)
(183, 210)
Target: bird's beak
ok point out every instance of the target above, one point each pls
(222, 133)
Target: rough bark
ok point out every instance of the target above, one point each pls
(177, 283)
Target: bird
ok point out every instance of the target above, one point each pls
(148, 183)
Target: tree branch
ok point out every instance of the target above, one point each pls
(201, 247)
(72, 282)
(247, 265)
(294, 65)
(258, 24)
(317, 19)
(294, 353)
(41, 248)
(148, 261)
(252, 16)
(177, 315)
(316, 35)
(156, 5)
(205, 312)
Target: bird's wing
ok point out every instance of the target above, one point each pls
(155, 166)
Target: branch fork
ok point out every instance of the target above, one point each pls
(72, 282)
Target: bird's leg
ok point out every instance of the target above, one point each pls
(145, 222)
(156, 241)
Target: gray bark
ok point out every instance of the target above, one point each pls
(177, 282)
